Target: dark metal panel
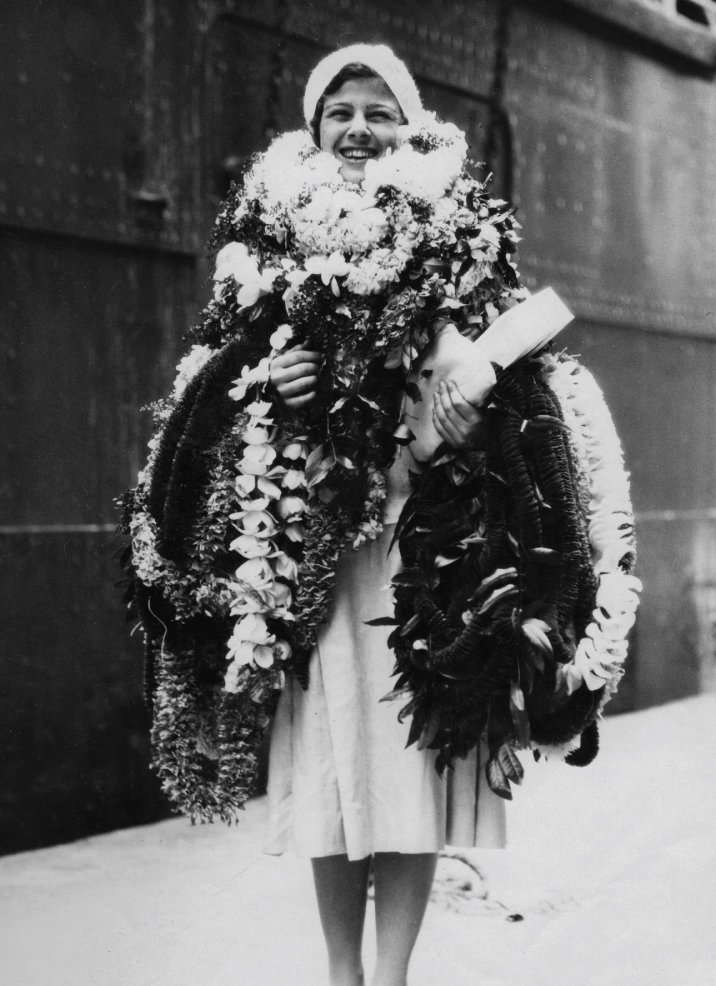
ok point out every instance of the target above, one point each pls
(74, 752)
(90, 333)
(662, 393)
(683, 36)
(96, 144)
(454, 46)
(615, 170)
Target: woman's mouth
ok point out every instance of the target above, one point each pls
(358, 153)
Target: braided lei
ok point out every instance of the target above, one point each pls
(515, 594)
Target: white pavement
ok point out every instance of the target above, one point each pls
(612, 869)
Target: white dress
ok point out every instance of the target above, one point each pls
(341, 779)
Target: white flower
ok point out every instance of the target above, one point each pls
(234, 260)
(256, 435)
(256, 572)
(251, 547)
(261, 373)
(286, 567)
(294, 532)
(318, 208)
(258, 523)
(260, 410)
(257, 459)
(293, 479)
(296, 450)
(253, 627)
(295, 279)
(281, 336)
(253, 289)
(189, 366)
(290, 508)
(329, 268)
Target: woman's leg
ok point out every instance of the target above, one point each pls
(341, 889)
(402, 890)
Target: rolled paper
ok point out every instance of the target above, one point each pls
(517, 333)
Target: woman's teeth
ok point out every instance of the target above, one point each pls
(358, 154)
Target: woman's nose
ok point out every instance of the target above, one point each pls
(359, 126)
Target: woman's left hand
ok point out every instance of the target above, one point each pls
(458, 423)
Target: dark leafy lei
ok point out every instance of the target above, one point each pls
(496, 587)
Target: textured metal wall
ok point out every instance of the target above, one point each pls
(98, 232)
(123, 126)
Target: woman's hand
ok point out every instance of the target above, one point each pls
(458, 423)
(294, 374)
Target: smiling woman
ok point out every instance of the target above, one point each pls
(359, 120)
(282, 502)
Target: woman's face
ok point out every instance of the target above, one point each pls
(359, 122)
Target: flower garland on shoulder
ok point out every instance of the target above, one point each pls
(243, 507)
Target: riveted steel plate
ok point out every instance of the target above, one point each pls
(615, 176)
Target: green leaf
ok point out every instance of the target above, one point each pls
(395, 694)
(505, 592)
(411, 576)
(383, 621)
(319, 471)
(516, 697)
(497, 779)
(509, 761)
(368, 402)
(410, 625)
(408, 710)
(536, 632)
(498, 577)
(430, 731)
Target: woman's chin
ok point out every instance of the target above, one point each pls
(351, 171)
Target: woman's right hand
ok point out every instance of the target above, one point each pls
(294, 374)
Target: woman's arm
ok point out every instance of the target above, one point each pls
(457, 422)
(294, 374)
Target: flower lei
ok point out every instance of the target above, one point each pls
(243, 507)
